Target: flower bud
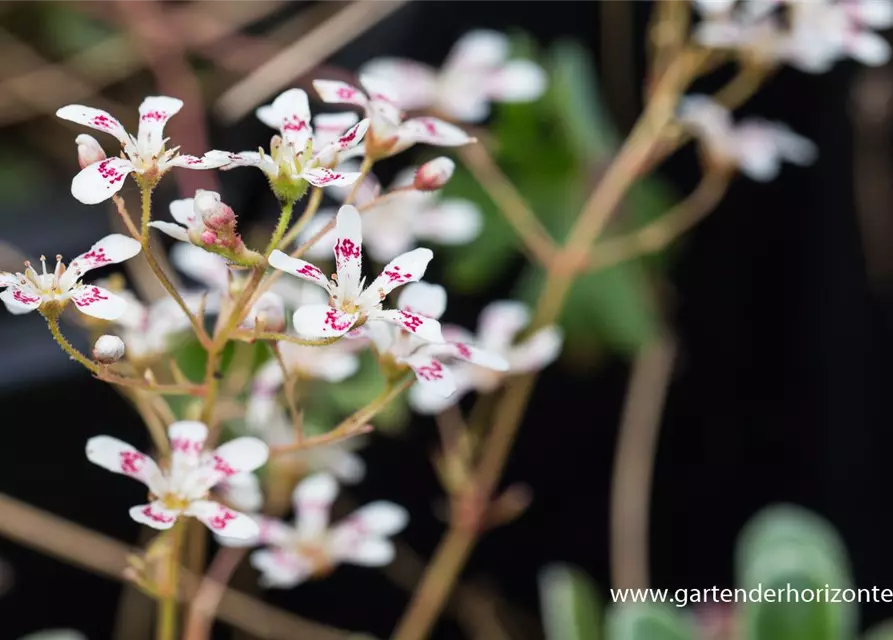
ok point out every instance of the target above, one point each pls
(433, 175)
(214, 213)
(268, 313)
(108, 349)
(89, 150)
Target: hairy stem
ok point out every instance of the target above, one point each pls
(52, 318)
(167, 606)
(304, 220)
(281, 227)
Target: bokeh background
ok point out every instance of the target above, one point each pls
(780, 302)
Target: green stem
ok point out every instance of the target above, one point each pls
(304, 220)
(52, 318)
(167, 606)
(283, 337)
(365, 168)
(146, 195)
(281, 226)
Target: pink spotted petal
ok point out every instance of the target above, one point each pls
(415, 83)
(299, 268)
(20, 299)
(155, 111)
(187, 439)
(312, 499)
(405, 268)
(229, 160)
(322, 321)
(424, 299)
(95, 119)
(432, 131)
(328, 127)
(348, 247)
(291, 113)
(155, 515)
(222, 520)
(281, 568)
(432, 374)
(236, 456)
(98, 302)
(99, 181)
(324, 177)
(468, 353)
(119, 457)
(427, 329)
(339, 92)
(183, 211)
(210, 160)
(112, 249)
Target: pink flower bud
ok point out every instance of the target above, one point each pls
(214, 213)
(108, 349)
(433, 175)
(209, 237)
(89, 150)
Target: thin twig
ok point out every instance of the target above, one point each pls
(210, 592)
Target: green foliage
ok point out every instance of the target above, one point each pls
(553, 150)
(648, 621)
(570, 605)
(787, 545)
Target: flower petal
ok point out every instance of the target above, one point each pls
(183, 211)
(339, 92)
(98, 302)
(431, 131)
(500, 322)
(202, 266)
(281, 568)
(348, 248)
(155, 515)
(423, 298)
(242, 491)
(537, 351)
(227, 160)
(381, 518)
(366, 552)
(415, 82)
(405, 268)
(425, 401)
(210, 160)
(432, 374)
(20, 300)
(95, 119)
(187, 443)
(518, 81)
(322, 321)
(478, 50)
(299, 268)
(112, 249)
(324, 177)
(155, 111)
(99, 181)
(223, 520)
(427, 329)
(328, 127)
(452, 222)
(291, 113)
(468, 353)
(312, 499)
(119, 457)
(171, 229)
(236, 456)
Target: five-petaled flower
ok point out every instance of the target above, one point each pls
(755, 146)
(350, 302)
(297, 157)
(476, 72)
(144, 154)
(388, 132)
(397, 347)
(27, 291)
(498, 325)
(182, 486)
(311, 548)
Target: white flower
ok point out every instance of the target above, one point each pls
(499, 324)
(434, 174)
(27, 291)
(755, 146)
(241, 491)
(396, 223)
(388, 132)
(188, 216)
(311, 548)
(426, 359)
(89, 150)
(147, 330)
(296, 156)
(144, 154)
(350, 302)
(476, 72)
(108, 349)
(182, 486)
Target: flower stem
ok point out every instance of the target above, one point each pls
(304, 220)
(167, 607)
(281, 227)
(52, 318)
(365, 168)
(146, 195)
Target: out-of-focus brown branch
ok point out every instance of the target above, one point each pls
(210, 593)
(73, 543)
(299, 58)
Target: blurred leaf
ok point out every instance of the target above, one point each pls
(68, 31)
(648, 621)
(789, 547)
(21, 176)
(569, 603)
(883, 631)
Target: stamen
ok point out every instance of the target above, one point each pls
(43, 263)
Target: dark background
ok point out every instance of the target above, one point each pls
(779, 392)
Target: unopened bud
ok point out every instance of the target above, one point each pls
(214, 213)
(89, 150)
(108, 349)
(433, 175)
(268, 313)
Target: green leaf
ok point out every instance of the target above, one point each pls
(571, 607)
(648, 621)
(787, 549)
